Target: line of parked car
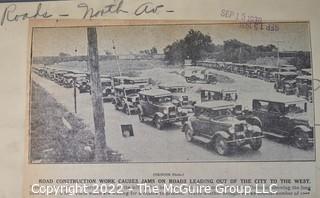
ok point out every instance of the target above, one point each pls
(217, 119)
(286, 78)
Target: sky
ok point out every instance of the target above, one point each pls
(132, 39)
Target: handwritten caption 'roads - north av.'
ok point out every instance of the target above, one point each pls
(11, 13)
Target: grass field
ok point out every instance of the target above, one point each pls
(127, 67)
(58, 136)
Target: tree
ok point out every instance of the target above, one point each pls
(175, 53)
(301, 60)
(153, 50)
(195, 45)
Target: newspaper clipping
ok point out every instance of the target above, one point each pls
(172, 109)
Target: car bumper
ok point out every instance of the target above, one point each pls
(108, 97)
(290, 90)
(135, 109)
(311, 141)
(242, 140)
(175, 119)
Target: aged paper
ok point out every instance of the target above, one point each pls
(280, 161)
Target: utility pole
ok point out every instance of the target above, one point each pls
(239, 58)
(278, 53)
(115, 53)
(96, 95)
(75, 94)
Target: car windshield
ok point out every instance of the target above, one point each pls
(217, 114)
(176, 90)
(230, 96)
(295, 108)
(105, 84)
(162, 99)
(289, 77)
(131, 91)
(133, 99)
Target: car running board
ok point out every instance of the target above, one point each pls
(202, 139)
(273, 134)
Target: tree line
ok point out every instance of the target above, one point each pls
(198, 46)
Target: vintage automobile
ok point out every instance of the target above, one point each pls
(214, 123)
(126, 98)
(139, 81)
(251, 71)
(288, 68)
(68, 80)
(306, 72)
(286, 119)
(200, 76)
(270, 76)
(50, 73)
(218, 94)
(209, 77)
(304, 87)
(269, 73)
(193, 76)
(83, 84)
(156, 104)
(107, 88)
(180, 97)
(285, 82)
(126, 80)
(58, 76)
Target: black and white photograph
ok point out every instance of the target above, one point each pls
(171, 93)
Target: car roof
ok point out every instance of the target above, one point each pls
(219, 104)
(250, 65)
(156, 92)
(105, 80)
(287, 73)
(307, 70)
(218, 89)
(130, 78)
(127, 87)
(137, 78)
(288, 66)
(105, 76)
(61, 71)
(80, 75)
(120, 77)
(167, 85)
(68, 75)
(304, 77)
(284, 99)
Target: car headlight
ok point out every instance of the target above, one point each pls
(231, 129)
(165, 111)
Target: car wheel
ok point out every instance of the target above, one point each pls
(256, 143)
(300, 139)
(189, 134)
(140, 115)
(221, 146)
(157, 123)
(126, 133)
(141, 118)
(127, 110)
